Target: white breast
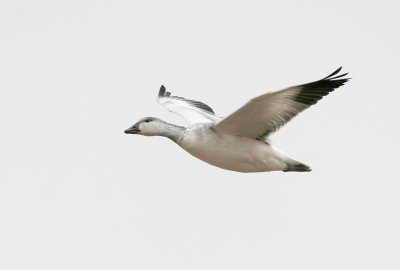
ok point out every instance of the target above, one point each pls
(230, 152)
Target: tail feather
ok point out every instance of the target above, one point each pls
(297, 167)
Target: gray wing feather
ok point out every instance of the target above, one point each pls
(267, 113)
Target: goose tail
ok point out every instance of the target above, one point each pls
(296, 166)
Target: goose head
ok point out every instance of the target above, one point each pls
(148, 126)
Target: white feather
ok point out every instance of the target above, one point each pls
(191, 114)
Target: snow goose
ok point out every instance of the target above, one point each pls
(238, 142)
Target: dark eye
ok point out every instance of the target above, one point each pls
(147, 121)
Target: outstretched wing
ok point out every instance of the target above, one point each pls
(267, 113)
(190, 110)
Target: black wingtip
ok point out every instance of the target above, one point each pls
(333, 74)
(162, 91)
(335, 78)
(339, 76)
(312, 92)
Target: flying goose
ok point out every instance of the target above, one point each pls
(238, 142)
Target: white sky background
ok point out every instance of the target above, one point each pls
(77, 193)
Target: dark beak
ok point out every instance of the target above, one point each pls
(133, 129)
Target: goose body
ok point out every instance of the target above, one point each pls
(240, 141)
(231, 152)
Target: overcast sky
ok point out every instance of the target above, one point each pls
(78, 193)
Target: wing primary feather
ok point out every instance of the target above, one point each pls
(339, 76)
(162, 91)
(311, 93)
(334, 73)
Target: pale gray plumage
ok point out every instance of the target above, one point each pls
(265, 114)
(239, 141)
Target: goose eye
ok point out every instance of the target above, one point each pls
(147, 121)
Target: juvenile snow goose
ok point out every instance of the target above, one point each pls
(238, 142)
